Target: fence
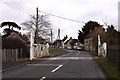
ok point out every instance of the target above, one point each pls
(114, 56)
(9, 55)
(41, 50)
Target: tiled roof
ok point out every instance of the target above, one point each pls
(95, 31)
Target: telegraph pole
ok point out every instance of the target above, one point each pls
(51, 36)
(58, 36)
(36, 31)
(34, 37)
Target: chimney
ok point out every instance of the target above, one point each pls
(70, 38)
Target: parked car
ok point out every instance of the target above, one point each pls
(74, 47)
(79, 48)
(69, 47)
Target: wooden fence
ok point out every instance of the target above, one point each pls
(9, 55)
(41, 50)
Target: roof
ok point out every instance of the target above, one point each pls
(67, 40)
(71, 41)
(95, 31)
(19, 36)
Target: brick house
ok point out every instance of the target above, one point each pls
(90, 41)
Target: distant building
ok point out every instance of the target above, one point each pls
(57, 43)
(70, 43)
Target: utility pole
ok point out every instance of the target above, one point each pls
(34, 37)
(36, 31)
(51, 36)
(58, 36)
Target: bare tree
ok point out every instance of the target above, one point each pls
(39, 24)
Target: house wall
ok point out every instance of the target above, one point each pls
(89, 44)
(91, 41)
(86, 44)
(68, 45)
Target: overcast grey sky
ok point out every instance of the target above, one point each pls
(79, 10)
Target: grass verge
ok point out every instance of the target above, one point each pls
(110, 70)
(55, 51)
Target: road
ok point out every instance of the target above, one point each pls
(75, 64)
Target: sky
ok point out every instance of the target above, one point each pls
(79, 10)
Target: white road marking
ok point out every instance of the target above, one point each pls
(78, 53)
(57, 68)
(42, 78)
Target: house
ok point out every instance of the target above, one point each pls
(90, 41)
(16, 41)
(70, 43)
(67, 44)
(57, 43)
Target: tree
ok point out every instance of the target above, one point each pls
(9, 30)
(80, 37)
(87, 28)
(39, 24)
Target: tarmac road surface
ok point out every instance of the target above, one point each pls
(75, 64)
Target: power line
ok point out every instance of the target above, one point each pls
(61, 17)
(27, 9)
(18, 7)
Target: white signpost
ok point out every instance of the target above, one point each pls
(102, 48)
(99, 43)
(32, 45)
(105, 49)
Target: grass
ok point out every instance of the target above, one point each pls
(55, 51)
(110, 70)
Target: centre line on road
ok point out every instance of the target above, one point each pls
(78, 53)
(57, 68)
(42, 78)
